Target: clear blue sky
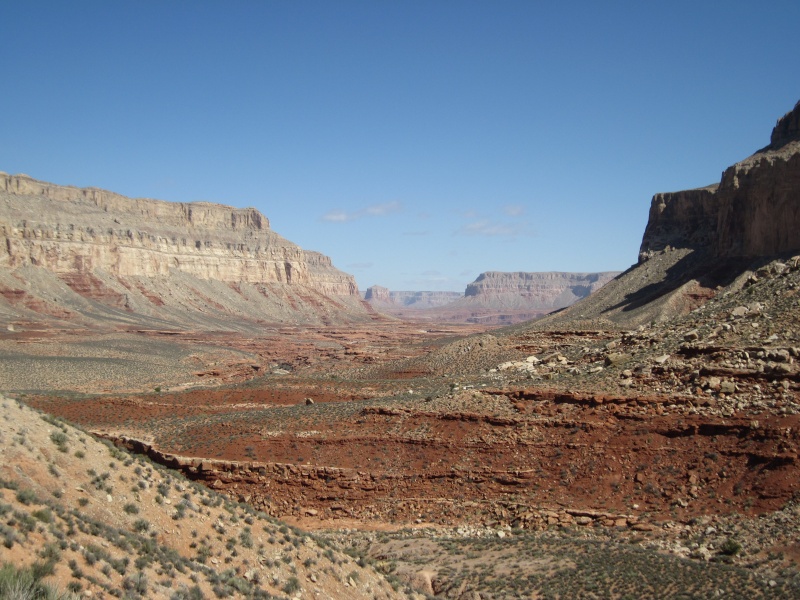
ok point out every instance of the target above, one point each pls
(417, 143)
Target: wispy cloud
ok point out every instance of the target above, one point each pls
(373, 210)
(491, 228)
(337, 216)
(514, 210)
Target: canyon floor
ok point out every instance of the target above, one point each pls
(475, 462)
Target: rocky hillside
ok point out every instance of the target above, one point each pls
(88, 518)
(73, 254)
(699, 241)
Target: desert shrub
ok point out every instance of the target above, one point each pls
(25, 583)
(44, 515)
(137, 583)
(730, 547)
(131, 508)
(26, 496)
(140, 526)
(51, 552)
(291, 586)
(184, 593)
(59, 438)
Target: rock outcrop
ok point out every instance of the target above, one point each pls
(754, 210)
(495, 298)
(533, 291)
(382, 296)
(700, 241)
(377, 293)
(147, 256)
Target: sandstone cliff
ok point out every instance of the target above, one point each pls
(157, 258)
(753, 211)
(698, 242)
(381, 296)
(533, 291)
(493, 298)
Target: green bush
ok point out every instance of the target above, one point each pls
(26, 496)
(25, 583)
(291, 586)
(730, 547)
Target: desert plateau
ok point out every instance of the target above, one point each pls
(195, 407)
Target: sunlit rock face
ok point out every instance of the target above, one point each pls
(95, 240)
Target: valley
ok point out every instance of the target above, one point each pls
(643, 441)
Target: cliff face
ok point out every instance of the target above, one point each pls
(698, 242)
(420, 300)
(754, 210)
(533, 291)
(83, 236)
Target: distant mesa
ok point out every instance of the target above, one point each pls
(494, 297)
(538, 291)
(89, 255)
(378, 295)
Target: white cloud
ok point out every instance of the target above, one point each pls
(373, 210)
(337, 216)
(489, 228)
(386, 208)
(514, 210)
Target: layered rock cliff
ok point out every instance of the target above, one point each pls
(698, 242)
(753, 211)
(497, 298)
(534, 291)
(117, 250)
(381, 296)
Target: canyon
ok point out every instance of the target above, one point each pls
(652, 425)
(493, 298)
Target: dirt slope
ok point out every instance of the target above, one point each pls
(104, 523)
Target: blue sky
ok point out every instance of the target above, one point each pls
(417, 143)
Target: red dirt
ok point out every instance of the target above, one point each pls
(481, 456)
(624, 456)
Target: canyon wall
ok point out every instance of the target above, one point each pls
(83, 236)
(699, 241)
(494, 298)
(533, 291)
(379, 296)
(754, 211)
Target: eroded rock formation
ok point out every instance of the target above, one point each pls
(540, 291)
(700, 241)
(381, 295)
(753, 211)
(122, 251)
